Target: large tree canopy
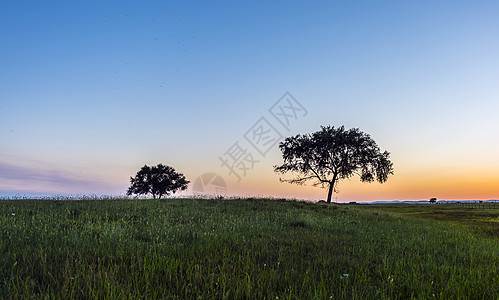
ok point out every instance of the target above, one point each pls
(157, 180)
(332, 154)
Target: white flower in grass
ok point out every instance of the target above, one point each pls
(390, 279)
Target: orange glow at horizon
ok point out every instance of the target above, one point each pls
(404, 186)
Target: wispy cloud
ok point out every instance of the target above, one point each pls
(40, 178)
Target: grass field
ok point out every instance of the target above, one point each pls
(484, 220)
(245, 248)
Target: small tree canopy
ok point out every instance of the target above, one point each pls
(157, 180)
(332, 154)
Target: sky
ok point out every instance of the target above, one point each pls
(90, 91)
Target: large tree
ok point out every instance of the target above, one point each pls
(157, 180)
(332, 154)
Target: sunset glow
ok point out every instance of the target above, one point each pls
(91, 92)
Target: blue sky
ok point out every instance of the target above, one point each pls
(90, 92)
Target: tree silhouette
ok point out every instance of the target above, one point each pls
(157, 180)
(332, 154)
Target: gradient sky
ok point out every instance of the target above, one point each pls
(90, 91)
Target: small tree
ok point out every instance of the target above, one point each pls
(332, 154)
(157, 180)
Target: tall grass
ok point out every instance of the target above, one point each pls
(241, 248)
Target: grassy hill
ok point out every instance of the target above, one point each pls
(245, 248)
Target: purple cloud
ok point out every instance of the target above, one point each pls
(49, 180)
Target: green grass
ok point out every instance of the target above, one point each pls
(243, 248)
(481, 218)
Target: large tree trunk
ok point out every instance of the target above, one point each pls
(331, 187)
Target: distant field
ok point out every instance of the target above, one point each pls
(481, 217)
(245, 248)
